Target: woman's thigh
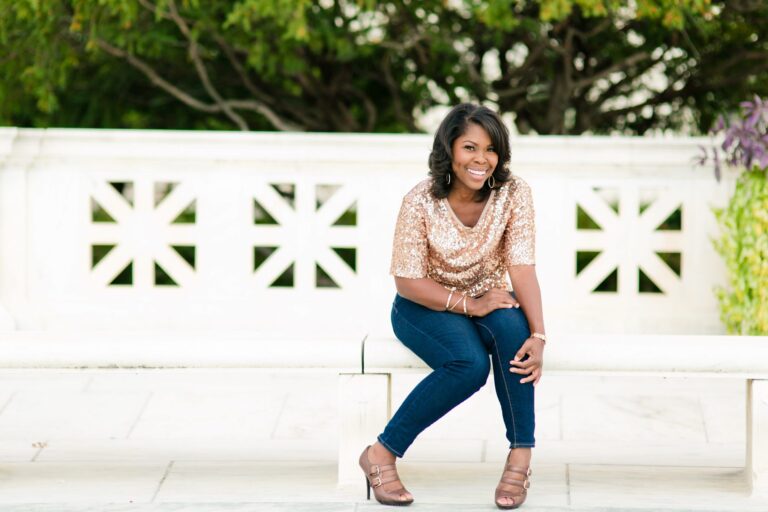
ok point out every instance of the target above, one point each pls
(437, 337)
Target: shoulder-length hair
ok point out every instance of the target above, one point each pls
(451, 128)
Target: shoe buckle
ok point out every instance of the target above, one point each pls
(376, 482)
(377, 471)
(527, 484)
(529, 472)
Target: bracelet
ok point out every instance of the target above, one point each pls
(455, 304)
(465, 306)
(540, 336)
(448, 301)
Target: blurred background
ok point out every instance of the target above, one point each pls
(551, 66)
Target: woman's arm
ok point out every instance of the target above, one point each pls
(528, 293)
(432, 295)
(426, 292)
(526, 287)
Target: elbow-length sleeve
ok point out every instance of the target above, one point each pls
(409, 250)
(520, 232)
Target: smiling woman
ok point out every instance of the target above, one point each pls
(462, 237)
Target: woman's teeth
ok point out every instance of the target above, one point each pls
(476, 173)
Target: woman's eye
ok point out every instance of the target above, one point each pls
(469, 148)
(492, 150)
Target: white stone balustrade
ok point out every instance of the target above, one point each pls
(291, 233)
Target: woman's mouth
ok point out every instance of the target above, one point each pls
(477, 172)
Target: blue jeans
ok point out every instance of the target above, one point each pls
(457, 348)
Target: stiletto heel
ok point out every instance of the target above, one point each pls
(377, 475)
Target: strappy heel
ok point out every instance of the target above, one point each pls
(376, 475)
(510, 482)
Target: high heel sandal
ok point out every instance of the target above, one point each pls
(510, 482)
(377, 475)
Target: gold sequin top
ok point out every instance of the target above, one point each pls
(430, 240)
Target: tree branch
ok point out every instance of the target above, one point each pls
(156, 79)
(194, 54)
(618, 66)
(190, 100)
(235, 62)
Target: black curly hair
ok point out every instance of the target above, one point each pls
(453, 126)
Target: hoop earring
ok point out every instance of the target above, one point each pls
(489, 182)
(448, 178)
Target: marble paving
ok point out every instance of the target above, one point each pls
(242, 440)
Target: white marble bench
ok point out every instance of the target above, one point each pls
(366, 399)
(176, 349)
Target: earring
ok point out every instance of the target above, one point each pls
(448, 178)
(489, 182)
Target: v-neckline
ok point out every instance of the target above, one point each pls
(479, 219)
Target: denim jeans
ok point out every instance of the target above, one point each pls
(458, 349)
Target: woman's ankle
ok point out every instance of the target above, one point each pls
(519, 456)
(382, 453)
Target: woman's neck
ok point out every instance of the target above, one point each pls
(462, 195)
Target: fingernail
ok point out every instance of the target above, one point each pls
(517, 305)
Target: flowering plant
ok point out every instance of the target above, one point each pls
(743, 243)
(745, 141)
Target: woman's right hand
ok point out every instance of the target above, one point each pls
(492, 300)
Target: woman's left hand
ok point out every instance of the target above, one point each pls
(534, 349)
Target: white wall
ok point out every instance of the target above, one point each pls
(49, 178)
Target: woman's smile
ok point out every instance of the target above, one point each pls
(478, 173)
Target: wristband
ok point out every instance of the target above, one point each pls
(448, 301)
(540, 336)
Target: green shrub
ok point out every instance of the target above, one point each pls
(743, 245)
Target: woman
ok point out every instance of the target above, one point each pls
(459, 234)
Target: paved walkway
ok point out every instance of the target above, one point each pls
(240, 440)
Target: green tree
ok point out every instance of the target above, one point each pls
(561, 66)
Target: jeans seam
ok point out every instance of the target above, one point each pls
(504, 380)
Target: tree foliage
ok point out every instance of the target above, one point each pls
(560, 66)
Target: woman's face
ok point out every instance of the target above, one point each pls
(474, 158)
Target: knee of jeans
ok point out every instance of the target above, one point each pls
(475, 372)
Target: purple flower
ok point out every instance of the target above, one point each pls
(745, 138)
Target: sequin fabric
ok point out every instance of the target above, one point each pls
(430, 240)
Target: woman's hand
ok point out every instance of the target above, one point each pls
(534, 349)
(492, 300)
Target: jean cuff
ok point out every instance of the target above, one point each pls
(521, 445)
(388, 447)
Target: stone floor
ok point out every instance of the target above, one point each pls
(243, 440)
